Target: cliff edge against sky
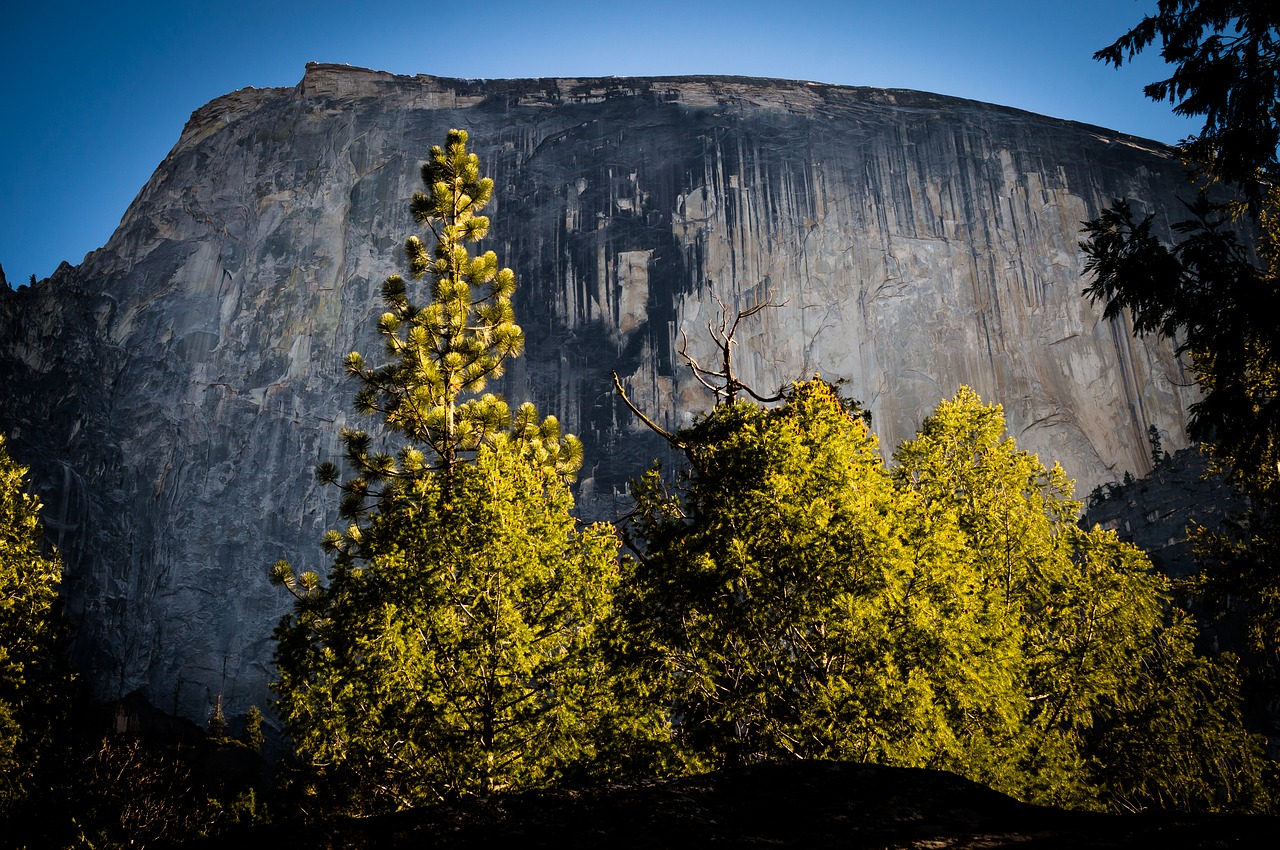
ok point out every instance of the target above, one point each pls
(174, 392)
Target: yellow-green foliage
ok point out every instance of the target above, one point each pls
(28, 633)
(451, 346)
(801, 599)
(1214, 290)
(453, 656)
(797, 598)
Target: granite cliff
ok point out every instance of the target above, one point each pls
(173, 392)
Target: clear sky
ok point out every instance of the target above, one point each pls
(94, 94)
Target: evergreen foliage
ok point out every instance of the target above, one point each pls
(1153, 438)
(61, 783)
(798, 599)
(33, 679)
(452, 654)
(251, 734)
(795, 597)
(739, 605)
(127, 790)
(450, 347)
(1091, 645)
(1225, 56)
(450, 650)
(217, 725)
(1216, 288)
(1207, 292)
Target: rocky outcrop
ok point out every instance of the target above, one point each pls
(174, 392)
(1158, 512)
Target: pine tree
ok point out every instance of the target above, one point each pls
(217, 725)
(450, 651)
(1215, 291)
(251, 734)
(452, 346)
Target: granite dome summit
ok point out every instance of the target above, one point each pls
(174, 392)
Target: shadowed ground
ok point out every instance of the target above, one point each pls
(801, 804)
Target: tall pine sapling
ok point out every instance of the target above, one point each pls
(450, 650)
(444, 350)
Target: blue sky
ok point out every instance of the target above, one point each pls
(95, 94)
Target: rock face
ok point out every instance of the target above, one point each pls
(1157, 511)
(174, 392)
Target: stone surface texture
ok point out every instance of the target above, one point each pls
(1157, 512)
(174, 391)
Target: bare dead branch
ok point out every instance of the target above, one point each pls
(726, 391)
(653, 426)
(778, 396)
(698, 370)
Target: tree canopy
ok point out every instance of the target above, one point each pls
(1103, 670)
(441, 355)
(732, 605)
(798, 598)
(793, 596)
(1214, 287)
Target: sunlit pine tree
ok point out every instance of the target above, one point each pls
(450, 651)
